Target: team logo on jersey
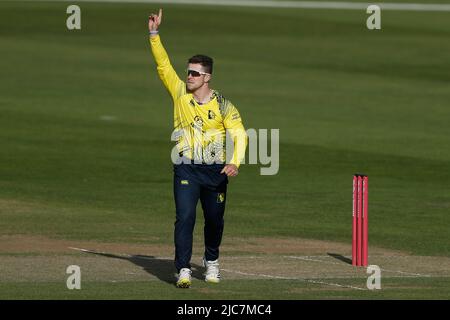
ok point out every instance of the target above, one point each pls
(211, 114)
(198, 121)
(220, 197)
(184, 181)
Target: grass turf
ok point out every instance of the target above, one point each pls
(391, 288)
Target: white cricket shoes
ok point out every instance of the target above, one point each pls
(212, 273)
(184, 278)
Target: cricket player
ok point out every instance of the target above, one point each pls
(202, 116)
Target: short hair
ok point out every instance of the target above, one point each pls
(204, 61)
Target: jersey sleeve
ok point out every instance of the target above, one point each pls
(232, 122)
(167, 74)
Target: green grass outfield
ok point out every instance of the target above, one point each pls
(266, 290)
(345, 99)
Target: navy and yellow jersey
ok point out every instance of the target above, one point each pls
(200, 130)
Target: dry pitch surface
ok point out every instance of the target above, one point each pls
(321, 263)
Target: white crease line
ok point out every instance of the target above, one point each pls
(309, 259)
(291, 4)
(80, 249)
(305, 258)
(292, 278)
(341, 264)
(100, 252)
(408, 273)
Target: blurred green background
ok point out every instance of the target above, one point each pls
(346, 100)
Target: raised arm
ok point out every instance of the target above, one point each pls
(167, 74)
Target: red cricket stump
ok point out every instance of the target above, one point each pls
(355, 203)
(359, 220)
(365, 217)
(360, 224)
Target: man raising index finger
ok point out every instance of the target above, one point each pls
(202, 116)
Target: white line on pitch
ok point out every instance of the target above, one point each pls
(292, 278)
(100, 252)
(305, 258)
(341, 264)
(80, 249)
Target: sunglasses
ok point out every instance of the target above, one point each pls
(195, 73)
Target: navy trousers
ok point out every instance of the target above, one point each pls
(193, 182)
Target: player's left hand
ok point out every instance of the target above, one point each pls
(230, 170)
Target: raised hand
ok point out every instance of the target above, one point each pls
(154, 21)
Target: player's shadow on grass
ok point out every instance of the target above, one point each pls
(340, 257)
(163, 269)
